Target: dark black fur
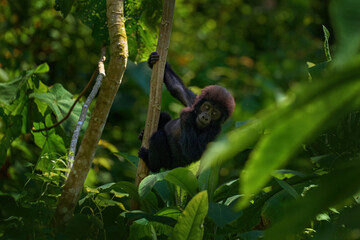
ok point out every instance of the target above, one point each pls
(180, 141)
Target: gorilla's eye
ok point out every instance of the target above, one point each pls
(206, 106)
(216, 114)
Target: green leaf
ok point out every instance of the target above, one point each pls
(9, 91)
(172, 212)
(183, 178)
(274, 208)
(208, 180)
(42, 68)
(343, 227)
(323, 217)
(222, 214)
(133, 160)
(345, 16)
(166, 191)
(64, 6)
(4, 77)
(227, 147)
(105, 202)
(326, 43)
(332, 189)
(14, 101)
(226, 190)
(288, 134)
(106, 187)
(60, 102)
(12, 131)
(142, 229)
(93, 14)
(148, 183)
(251, 216)
(53, 148)
(288, 188)
(142, 27)
(126, 187)
(252, 235)
(190, 223)
(134, 215)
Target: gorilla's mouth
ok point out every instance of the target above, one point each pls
(200, 123)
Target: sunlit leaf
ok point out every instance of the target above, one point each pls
(190, 222)
(42, 68)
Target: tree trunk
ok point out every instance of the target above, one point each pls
(118, 59)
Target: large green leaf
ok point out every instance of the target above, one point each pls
(60, 102)
(308, 109)
(149, 182)
(288, 134)
(53, 148)
(14, 105)
(190, 222)
(183, 178)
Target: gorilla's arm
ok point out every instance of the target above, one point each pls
(174, 83)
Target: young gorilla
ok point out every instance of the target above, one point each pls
(181, 141)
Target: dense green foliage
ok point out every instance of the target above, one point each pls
(286, 165)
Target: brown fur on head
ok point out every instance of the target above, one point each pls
(219, 95)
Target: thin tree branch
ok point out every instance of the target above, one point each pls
(94, 91)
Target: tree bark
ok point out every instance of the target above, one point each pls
(117, 65)
(156, 83)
